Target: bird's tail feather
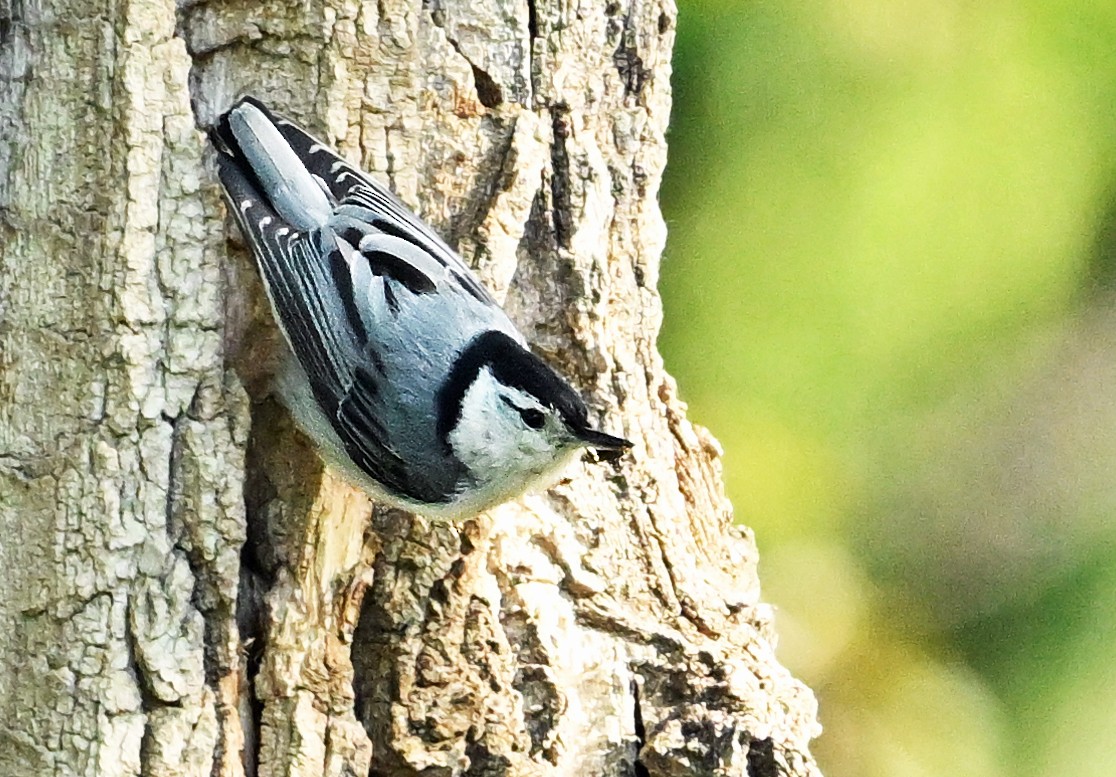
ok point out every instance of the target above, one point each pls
(250, 137)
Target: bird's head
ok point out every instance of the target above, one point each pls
(510, 418)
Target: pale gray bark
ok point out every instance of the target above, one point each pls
(611, 626)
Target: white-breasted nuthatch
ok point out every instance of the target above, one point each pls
(402, 368)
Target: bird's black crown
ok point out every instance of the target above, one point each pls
(513, 365)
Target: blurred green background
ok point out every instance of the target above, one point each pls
(890, 288)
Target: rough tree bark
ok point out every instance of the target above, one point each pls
(183, 591)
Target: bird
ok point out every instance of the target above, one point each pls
(399, 365)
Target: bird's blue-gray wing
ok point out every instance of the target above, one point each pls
(312, 296)
(364, 205)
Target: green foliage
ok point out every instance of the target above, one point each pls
(887, 225)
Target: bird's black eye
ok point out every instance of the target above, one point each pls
(533, 418)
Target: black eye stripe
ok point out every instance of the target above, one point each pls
(532, 417)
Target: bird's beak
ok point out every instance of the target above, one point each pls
(608, 447)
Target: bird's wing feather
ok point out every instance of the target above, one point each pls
(364, 200)
(383, 210)
(317, 318)
(294, 281)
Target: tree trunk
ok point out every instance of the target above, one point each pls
(183, 590)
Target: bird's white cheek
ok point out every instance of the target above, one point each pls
(536, 455)
(495, 445)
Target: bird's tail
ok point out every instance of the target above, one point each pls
(253, 146)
